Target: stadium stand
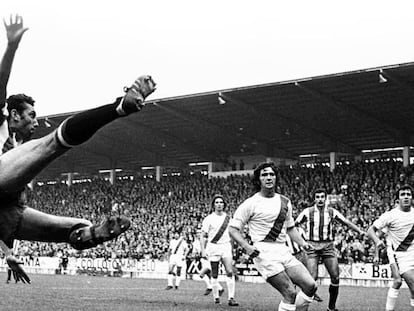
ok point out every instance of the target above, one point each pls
(361, 191)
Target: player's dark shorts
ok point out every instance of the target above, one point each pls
(321, 250)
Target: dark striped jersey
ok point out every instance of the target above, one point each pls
(319, 223)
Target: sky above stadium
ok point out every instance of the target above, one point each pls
(79, 54)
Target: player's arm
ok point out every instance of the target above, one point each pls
(14, 264)
(372, 234)
(203, 243)
(380, 235)
(292, 231)
(14, 31)
(302, 217)
(346, 222)
(296, 237)
(169, 252)
(240, 218)
(237, 236)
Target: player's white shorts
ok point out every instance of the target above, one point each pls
(217, 251)
(176, 260)
(274, 258)
(205, 264)
(405, 260)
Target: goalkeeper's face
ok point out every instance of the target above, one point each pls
(24, 123)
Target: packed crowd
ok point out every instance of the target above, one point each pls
(361, 191)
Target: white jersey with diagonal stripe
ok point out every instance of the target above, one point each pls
(212, 224)
(398, 224)
(260, 213)
(182, 248)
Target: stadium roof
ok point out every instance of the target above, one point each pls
(345, 112)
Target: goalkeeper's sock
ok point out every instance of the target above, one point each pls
(80, 127)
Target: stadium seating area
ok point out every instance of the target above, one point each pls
(361, 191)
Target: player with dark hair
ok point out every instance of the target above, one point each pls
(399, 223)
(319, 220)
(22, 159)
(216, 246)
(269, 218)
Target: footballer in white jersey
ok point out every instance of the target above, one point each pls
(269, 218)
(177, 253)
(216, 246)
(399, 224)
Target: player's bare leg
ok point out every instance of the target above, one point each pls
(409, 279)
(286, 288)
(393, 291)
(332, 266)
(312, 266)
(302, 278)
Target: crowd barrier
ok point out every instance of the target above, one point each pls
(358, 274)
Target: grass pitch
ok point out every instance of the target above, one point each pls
(60, 292)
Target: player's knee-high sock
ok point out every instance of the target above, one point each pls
(178, 277)
(392, 296)
(206, 280)
(214, 285)
(333, 295)
(170, 279)
(81, 126)
(231, 285)
(302, 301)
(286, 307)
(9, 273)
